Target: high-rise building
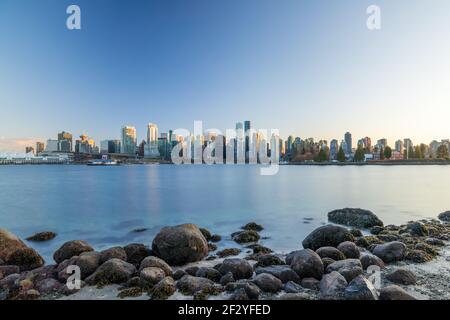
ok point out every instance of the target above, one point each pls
(85, 145)
(247, 127)
(382, 143)
(29, 150)
(51, 146)
(39, 147)
(334, 148)
(348, 141)
(65, 141)
(110, 146)
(151, 146)
(129, 140)
(399, 146)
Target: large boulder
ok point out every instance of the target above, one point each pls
(209, 273)
(240, 268)
(150, 276)
(71, 249)
(156, 262)
(111, 253)
(112, 271)
(394, 292)
(136, 252)
(330, 252)
(266, 260)
(332, 285)
(282, 272)
(354, 217)
(391, 251)
(268, 283)
(444, 216)
(349, 268)
(164, 289)
(253, 226)
(88, 262)
(418, 256)
(360, 289)
(251, 290)
(306, 263)
(245, 236)
(349, 249)
(327, 236)
(42, 236)
(26, 259)
(402, 276)
(180, 244)
(368, 259)
(188, 285)
(9, 243)
(417, 229)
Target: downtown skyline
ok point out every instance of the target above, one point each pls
(307, 69)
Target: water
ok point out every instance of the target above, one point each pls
(103, 205)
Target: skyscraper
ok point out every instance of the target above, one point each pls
(334, 148)
(129, 140)
(65, 141)
(399, 146)
(247, 127)
(151, 146)
(39, 147)
(348, 141)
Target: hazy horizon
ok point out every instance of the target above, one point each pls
(307, 68)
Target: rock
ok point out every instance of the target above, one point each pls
(360, 289)
(164, 289)
(226, 279)
(327, 236)
(356, 233)
(151, 275)
(435, 242)
(417, 229)
(188, 285)
(240, 268)
(259, 249)
(49, 286)
(180, 244)
(394, 292)
(158, 263)
(310, 283)
(388, 236)
(252, 290)
(133, 282)
(211, 247)
(266, 260)
(444, 216)
(111, 253)
(8, 244)
(426, 247)
(349, 268)
(228, 252)
(42, 236)
(326, 262)
(332, 285)
(253, 226)
(292, 287)
(294, 296)
(354, 217)
(177, 275)
(215, 238)
(282, 272)
(112, 271)
(2, 262)
(192, 270)
(268, 283)
(209, 273)
(206, 233)
(391, 251)
(418, 256)
(130, 292)
(245, 236)
(26, 259)
(88, 263)
(71, 249)
(368, 241)
(349, 249)
(136, 252)
(402, 276)
(330, 252)
(10, 282)
(306, 263)
(7, 270)
(368, 259)
(376, 230)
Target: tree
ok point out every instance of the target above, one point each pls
(359, 154)
(388, 152)
(341, 155)
(418, 153)
(442, 152)
(381, 153)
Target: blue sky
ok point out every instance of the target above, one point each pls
(309, 68)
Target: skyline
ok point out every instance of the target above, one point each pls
(305, 68)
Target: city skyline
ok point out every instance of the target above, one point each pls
(309, 70)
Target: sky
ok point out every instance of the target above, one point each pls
(310, 68)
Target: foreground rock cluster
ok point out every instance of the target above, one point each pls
(335, 262)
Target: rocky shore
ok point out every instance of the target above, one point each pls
(355, 257)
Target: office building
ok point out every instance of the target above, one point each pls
(348, 142)
(129, 140)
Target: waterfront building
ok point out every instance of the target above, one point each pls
(399, 146)
(129, 140)
(51, 146)
(247, 128)
(29, 150)
(65, 141)
(110, 146)
(382, 143)
(151, 149)
(84, 145)
(348, 142)
(39, 147)
(334, 149)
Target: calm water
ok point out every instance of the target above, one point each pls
(103, 205)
